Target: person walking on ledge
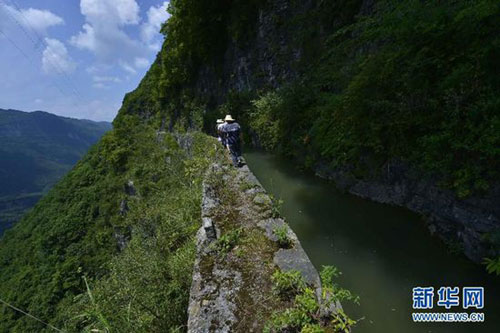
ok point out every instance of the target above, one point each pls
(218, 130)
(231, 133)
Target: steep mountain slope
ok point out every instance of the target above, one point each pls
(112, 244)
(394, 101)
(348, 85)
(37, 149)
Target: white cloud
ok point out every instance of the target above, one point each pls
(85, 39)
(107, 43)
(98, 68)
(119, 12)
(150, 29)
(127, 67)
(38, 101)
(106, 79)
(141, 62)
(31, 18)
(41, 19)
(103, 32)
(100, 85)
(102, 82)
(55, 58)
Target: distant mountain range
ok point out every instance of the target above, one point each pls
(36, 150)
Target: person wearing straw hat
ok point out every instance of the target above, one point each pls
(218, 130)
(231, 134)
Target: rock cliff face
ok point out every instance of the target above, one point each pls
(276, 53)
(267, 60)
(274, 57)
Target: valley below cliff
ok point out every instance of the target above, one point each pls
(37, 149)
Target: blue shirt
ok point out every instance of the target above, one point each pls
(231, 133)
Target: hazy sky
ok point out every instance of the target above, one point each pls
(76, 58)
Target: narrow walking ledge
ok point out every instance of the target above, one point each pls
(238, 250)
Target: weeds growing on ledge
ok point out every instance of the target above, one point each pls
(227, 241)
(304, 315)
(281, 234)
(287, 284)
(276, 205)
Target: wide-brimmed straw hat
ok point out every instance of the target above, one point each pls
(220, 121)
(229, 118)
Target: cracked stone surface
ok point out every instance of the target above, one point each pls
(226, 291)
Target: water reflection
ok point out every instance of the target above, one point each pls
(383, 251)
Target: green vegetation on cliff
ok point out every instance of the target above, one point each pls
(123, 220)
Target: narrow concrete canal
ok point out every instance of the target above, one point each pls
(383, 251)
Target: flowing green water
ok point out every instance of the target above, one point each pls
(383, 251)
